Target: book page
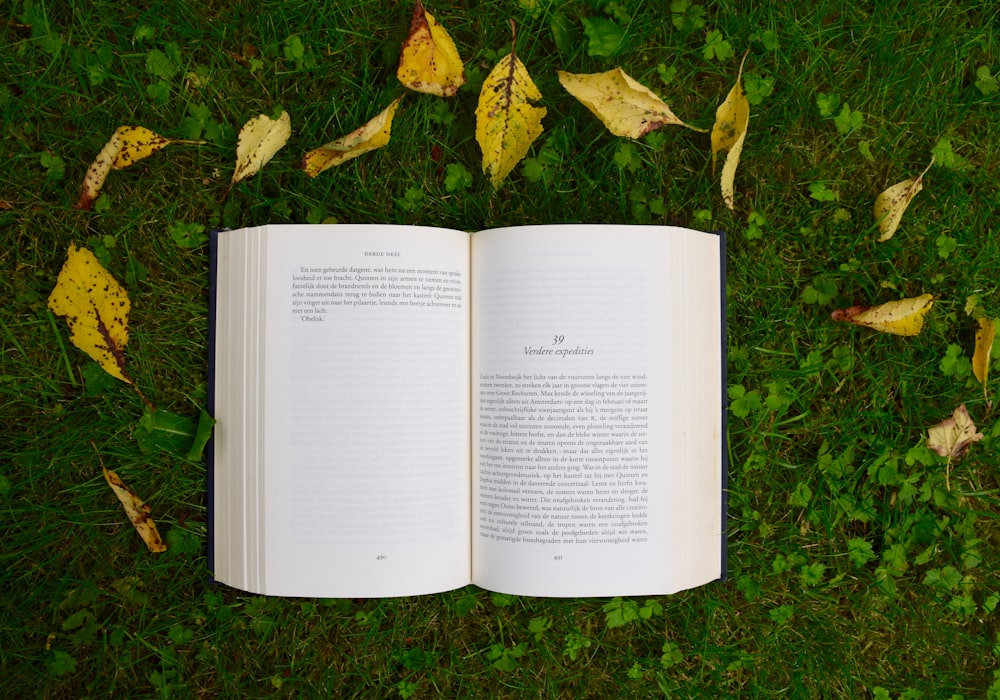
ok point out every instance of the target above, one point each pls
(366, 412)
(597, 410)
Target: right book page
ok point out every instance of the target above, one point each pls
(597, 395)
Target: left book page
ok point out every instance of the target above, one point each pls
(341, 391)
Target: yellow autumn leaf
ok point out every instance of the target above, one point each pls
(374, 134)
(96, 308)
(984, 346)
(625, 106)
(731, 121)
(137, 511)
(900, 317)
(127, 145)
(890, 205)
(429, 61)
(259, 139)
(506, 121)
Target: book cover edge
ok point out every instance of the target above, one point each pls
(213, 260)
(724, 563)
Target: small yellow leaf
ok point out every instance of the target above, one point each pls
(96, 308)
(625, 106)
(984, 345)
(374, 134)
(429, 61)
(127, 145)
(137, 511)
(506, 121)
(890, 205)
(731, 121)
(259, 139)
(137, 142)
(901, 317)
(952, 437)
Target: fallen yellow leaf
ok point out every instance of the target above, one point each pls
(625, 106)
(374, 134)
(429, 61)
(984, 346)
(96, 308)
(127, 145)
(137, 511)
(901, 317)
(259, 139)
(952, 438)
(731, 121)
(890, 205)
(506, 121)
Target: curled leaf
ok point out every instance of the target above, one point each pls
(890, 205)
(259, 139)
(952, 438)
(127, 145)
(429, 61)
(506, 120)
(625, 106)
(900, 317)
(731, 121)
(984, 346)
(137, 511)
(96, 308)
(374, 134)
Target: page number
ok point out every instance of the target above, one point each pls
(558, 557)
(557, 340)
(381, 557)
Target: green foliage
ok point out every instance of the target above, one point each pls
(686, 15)
(986, 82)
(55, 167)
(821, 192)
(564, 33)
(848, 120)
(755, 225)
(742, 402)
(412, 199)
(161, 430)
(457, 178)
(946, 157)
(768, 39)
(574, 644)
(821, 291)
(828, 104)
(758, 88)
(605, 38)
(717, 47)
(505, 658)
(188, 235)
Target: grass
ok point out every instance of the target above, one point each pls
(853, 571)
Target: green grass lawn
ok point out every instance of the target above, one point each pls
(853, 570)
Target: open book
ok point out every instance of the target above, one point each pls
(406, 410)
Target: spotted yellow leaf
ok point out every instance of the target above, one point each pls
(429, 61)
(731, 121)
(890, 205)
(96, 308)
(259, 139)
(506, 120)
(374, 134)
(984, 346)
(127, 145)
(137, 511)
(625, 106)
(901, 317)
